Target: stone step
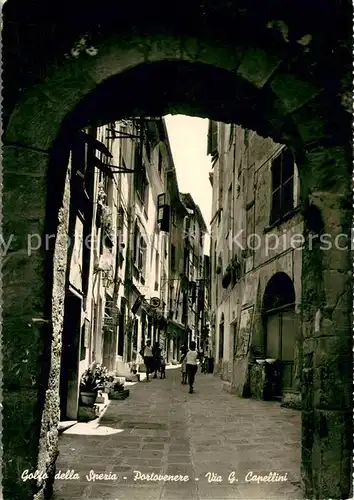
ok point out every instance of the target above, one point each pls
(66, 424)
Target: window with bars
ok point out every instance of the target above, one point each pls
(282, 185)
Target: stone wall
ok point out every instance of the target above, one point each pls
(257, 380)
(34, 278)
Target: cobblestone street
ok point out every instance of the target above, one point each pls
(161, 429)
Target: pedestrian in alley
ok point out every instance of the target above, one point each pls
(183, 361)
(146, 353)
(191, 365)
(163, 367)
(156, 352)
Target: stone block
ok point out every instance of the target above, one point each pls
(327, 167)
(21, 417)
(118, 395)
(22, 298)
(311, 123)
(24, 196)
(43, 120)
(22, 161)
(307, 391)
(22, 269)
(133, 378)
(219, 56)
(18, 233)
(26, 352)
(292, 92)
(291, 399)
(118, 55)
(257, 66)
(307, 426)
(333, 373)
(158, 48)
(257, 381)
(87, 413)
(332, 452)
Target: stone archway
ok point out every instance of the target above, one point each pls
(276, 100)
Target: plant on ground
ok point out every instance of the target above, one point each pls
(93, 378)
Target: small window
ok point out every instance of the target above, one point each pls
(282, 185)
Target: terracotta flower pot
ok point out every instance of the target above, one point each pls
(88, 398)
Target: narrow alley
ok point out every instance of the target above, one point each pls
(161, 429)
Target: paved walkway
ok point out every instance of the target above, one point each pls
(161, 429)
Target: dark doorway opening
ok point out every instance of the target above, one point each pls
(281, 330)
(70, 356)
(121, 328)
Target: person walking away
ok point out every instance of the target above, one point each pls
(146, 353)
(191, 365)
(156, 352)
(184, 365)
(163, 367)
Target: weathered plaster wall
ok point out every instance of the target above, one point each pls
(246, 168)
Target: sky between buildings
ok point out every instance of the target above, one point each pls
(188, 139)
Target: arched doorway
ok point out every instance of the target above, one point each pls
(242, 64)
(281, 326)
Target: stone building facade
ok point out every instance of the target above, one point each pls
(193, 270)
(256, 255)
(126, 227)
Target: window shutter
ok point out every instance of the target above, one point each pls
(212, 138)
(135, 248)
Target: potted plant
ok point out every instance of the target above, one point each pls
(226, 279)
(235, 270)
(109, 381)
(118, 391)
(92, 380)
(88, 387)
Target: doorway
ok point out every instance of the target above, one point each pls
(281, 329)
(70, 356)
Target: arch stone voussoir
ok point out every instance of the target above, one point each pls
(311, 120)
(36, 121)
(218, 55)
(292, 92)
(257, 66)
